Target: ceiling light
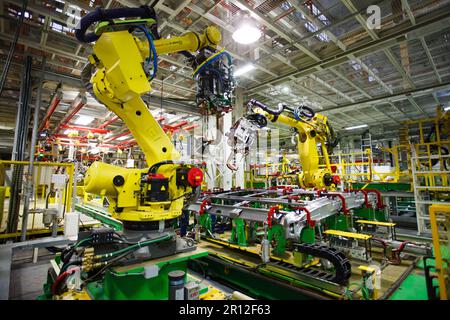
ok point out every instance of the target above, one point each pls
(244, 69)
(247, 32)
(84, 120)
(286, 90)
(356, 127)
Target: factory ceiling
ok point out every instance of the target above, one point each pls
(320, 53)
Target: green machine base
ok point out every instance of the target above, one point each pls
(144, 281)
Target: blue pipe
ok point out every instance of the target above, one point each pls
(152, 49)
(212, 60)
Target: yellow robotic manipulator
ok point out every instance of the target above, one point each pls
(123, 63)
(311, 130)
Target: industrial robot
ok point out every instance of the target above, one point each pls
(311, 129)
(147, 201)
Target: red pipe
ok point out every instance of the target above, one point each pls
(65, 136)
(107, 123)
(86, 145)
(380, 204)
(51, 109)
(191, 127)
(118, 136)
(128, 143)
(175, 126)
(77, 107)
(309, 220)
(366, 198)
(272, 210)
(95, 130)
(342, 198)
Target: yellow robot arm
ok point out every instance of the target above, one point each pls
(311, 132)
(119, 79)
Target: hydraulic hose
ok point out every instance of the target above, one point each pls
(100, 14)
(136, 246)
(275, 112)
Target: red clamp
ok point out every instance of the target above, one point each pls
(320, 191)
(272, 210)
(206, 192)
(366, 198)
(344, 204)
(396, 253)
(309, 220)
(203, 206)
(285, 189)
(380, 204)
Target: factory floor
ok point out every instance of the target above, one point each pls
(28, 278)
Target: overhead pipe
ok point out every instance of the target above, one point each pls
(81, 128)
(118, 136)
(65, 136)
(78, 103)
(56, 99)
(193, 126)
(87, 145)
(175, 126)
(127, 143)
(107, 123)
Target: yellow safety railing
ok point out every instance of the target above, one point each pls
(440, 224)
(39, 188)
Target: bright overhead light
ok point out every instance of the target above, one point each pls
(123, 138)
(247, 32)
(84, 120)
(244, 69)
(356, 127)
(447, 108)
(286, 90)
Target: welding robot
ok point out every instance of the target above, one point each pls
(311, 129)
(147, 201)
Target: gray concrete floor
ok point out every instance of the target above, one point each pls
(28, 278)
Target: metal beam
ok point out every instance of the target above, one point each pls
(402, 95)
(263, 20)
(430, 58)
(426, 25)
(414, 103)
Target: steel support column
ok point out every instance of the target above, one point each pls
(20, 139)
(30, 176)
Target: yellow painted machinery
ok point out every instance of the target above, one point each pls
(144, 203)
(121, 67)
(311, 130)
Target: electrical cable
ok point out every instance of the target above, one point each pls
(210, 60)
(59, 279)
(67, 265)
(137, 246)
(152, 51)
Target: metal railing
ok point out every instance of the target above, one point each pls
(52, 187)
(440, 224)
